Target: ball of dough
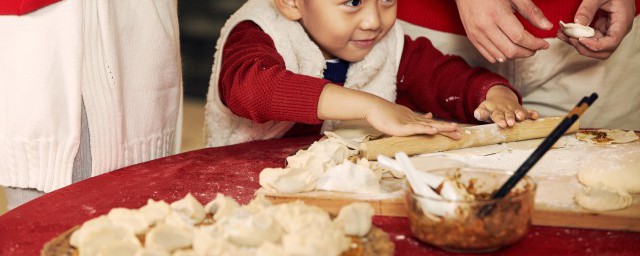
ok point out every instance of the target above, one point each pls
(620, 172)
(598, 199)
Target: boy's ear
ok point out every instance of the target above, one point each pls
(289, 9)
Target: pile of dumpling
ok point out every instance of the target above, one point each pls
(330, 165)
(222, 227)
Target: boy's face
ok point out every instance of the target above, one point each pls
(347, 29)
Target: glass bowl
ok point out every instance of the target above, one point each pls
(473, 225)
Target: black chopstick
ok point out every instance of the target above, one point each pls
(542, 149)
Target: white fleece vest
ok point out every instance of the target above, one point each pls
(376, 74)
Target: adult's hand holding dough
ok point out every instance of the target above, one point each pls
(610, 28)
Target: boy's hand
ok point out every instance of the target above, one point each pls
(501, 106)
(339, 103)
(398, 120)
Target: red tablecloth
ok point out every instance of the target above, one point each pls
(233, 171)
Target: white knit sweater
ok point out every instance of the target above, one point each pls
(375, 74)
(120, 57)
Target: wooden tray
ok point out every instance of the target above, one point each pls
(392, 204)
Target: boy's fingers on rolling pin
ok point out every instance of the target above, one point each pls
(521, 114)
(482, 114)
(533, 114)
(454, 135)
(419, 128)
(428, 115)
(510, 117)
(443, 126)
(498, 117)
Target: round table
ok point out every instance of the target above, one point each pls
(233, 171)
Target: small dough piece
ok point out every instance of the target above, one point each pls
(251, 230)
(601, 199)
(129, 218)
(155, 211)
(288, 180)
(355, 219)
(621, 172)
(351, 178)
(190, 207)
(577, 30)
(168, 238)
(607, 136)
(222, 206)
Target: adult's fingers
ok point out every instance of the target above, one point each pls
(532, 13)
(583, 50)
(587, 11)
(516, 33)
(483, 51)
(489, 46)
(615, 31)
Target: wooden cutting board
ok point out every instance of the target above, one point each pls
(391, 203)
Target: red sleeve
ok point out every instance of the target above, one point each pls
(445, 85)
(255, 84)
(20, 7)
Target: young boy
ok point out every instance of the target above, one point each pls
(284, 66)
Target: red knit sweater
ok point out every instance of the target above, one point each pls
(255, 84)
(443, 15)
(20, 7)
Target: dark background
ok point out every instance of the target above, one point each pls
(200, 24)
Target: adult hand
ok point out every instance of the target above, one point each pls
(494, 30)
(610, 28)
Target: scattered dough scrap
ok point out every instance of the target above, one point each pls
(606, 136)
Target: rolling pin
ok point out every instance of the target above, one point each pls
(472, 136)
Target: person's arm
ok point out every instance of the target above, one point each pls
(255, 84)
(494, 30)
(610, 28)
(446, 86)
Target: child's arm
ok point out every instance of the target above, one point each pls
(445, 85)
(255, 84)
(339, 103)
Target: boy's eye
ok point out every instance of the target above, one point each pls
(353, 3)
